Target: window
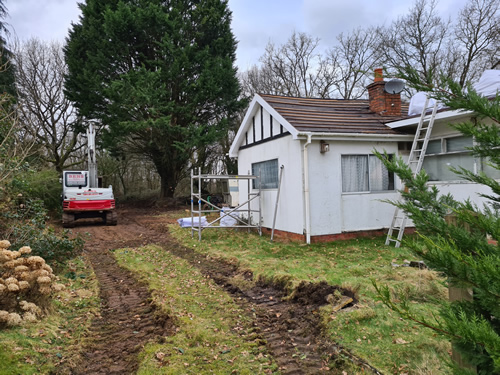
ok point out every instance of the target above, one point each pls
(75, 179)
(365, 173)
(489, 170)
(443, 153)
(268, 171)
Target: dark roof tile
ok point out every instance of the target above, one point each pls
(333, 115)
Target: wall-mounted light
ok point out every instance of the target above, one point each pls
(324, 147)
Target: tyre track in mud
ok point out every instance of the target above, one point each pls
(291, 328)
(127, 318)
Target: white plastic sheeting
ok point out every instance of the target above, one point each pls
(417, 104)
(489, 83)
(228, 220)
(186, 222)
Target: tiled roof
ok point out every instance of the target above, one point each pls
(332, 115)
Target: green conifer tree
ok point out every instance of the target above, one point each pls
(7, 69)
(159, 75)
(463, 249)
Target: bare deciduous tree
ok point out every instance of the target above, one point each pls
(259, 80)
(44, 111)
(418, 39)
(477, 33)
(15, 146)
(294, 69)
(354, 60)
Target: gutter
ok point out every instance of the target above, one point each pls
(307, 212)
(355, 136)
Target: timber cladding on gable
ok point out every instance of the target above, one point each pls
(264, 128)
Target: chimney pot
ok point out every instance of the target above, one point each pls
(379, 75)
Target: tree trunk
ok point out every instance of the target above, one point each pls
(167, 187)
(169, 178)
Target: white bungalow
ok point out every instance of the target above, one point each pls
(333, 186)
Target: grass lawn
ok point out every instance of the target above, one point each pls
(370, 330)
(39, 347)
(213, 333)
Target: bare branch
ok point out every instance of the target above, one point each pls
(43, 109)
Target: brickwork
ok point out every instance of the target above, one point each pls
(380, 101)
(282, 235)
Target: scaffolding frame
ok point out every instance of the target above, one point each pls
(196, 197)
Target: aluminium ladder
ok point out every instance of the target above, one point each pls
(415, 161)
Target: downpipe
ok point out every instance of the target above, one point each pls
(307, 211)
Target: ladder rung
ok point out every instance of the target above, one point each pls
(416, 157)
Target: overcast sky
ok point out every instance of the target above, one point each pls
(255, 22)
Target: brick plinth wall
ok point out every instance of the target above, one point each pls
(279, 234)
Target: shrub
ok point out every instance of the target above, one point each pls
(27, 284)
(41, 185)
(28, 225)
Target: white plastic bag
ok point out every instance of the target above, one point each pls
(228, 220)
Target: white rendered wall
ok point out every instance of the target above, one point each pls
(462, 190)
(332, 211)
(290, 207)
(335, 212)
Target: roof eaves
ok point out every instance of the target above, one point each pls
(356, 136)
(443, 115)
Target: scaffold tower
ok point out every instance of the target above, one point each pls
(198, 204)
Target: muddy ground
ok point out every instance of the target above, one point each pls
(290, 329)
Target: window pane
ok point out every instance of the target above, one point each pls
(75, 179)
(268, 171)
(489, 169)
(433, 147)
(438, 166)
(458, 144)
(380, 178)
(354, 173)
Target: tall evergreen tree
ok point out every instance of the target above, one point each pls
(7, 69)
(459, 248)
(158, 74)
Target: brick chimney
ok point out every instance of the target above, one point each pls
(382, 102)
